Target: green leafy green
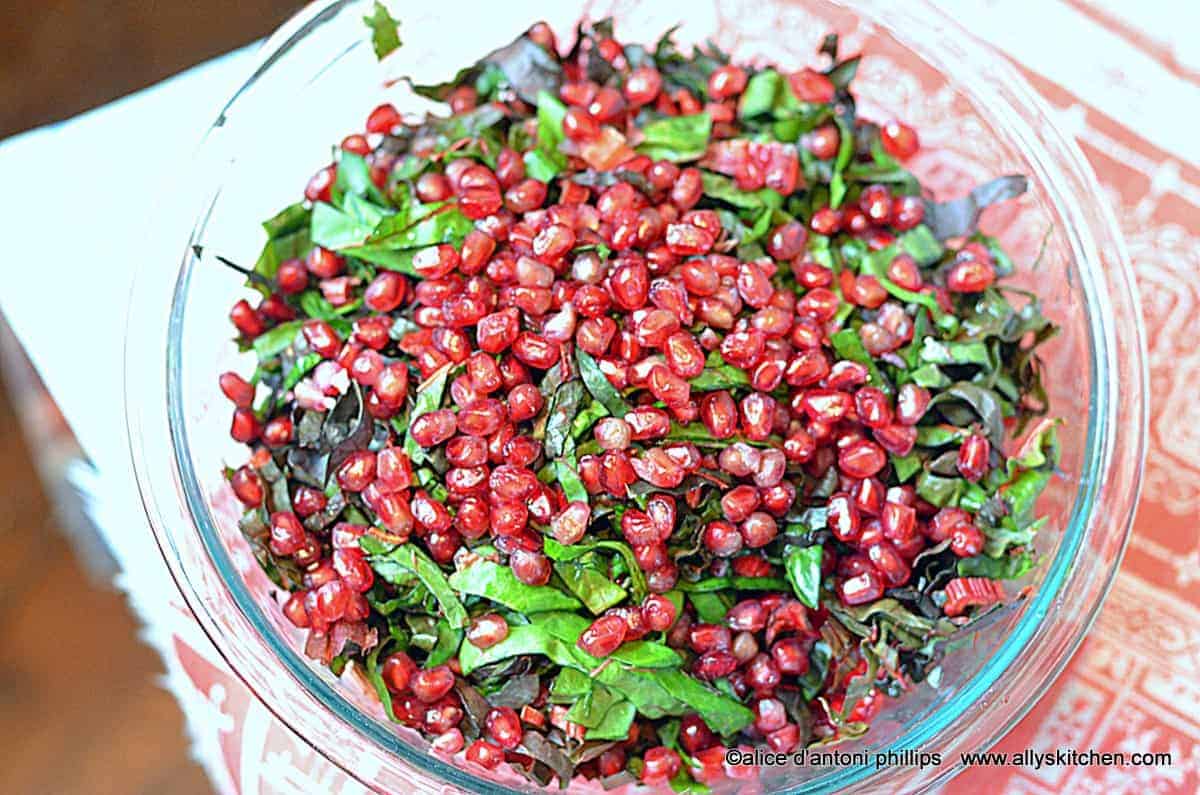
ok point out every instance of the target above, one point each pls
(548, 161)
(354, 179)
(595, 590)
(723, 715)
(676, 138)
(339, 229)
(710, 607)
(560, 418)
(884, 168)
(842, 73)
(929, 376)
(567, 472)
(276, 340)
(941, 491)
(598, 384)
(540, 166)
(718, 374)
(570, 684)
(759, 96)
(813, 681)
(558, 552)
(963, 403)
(498, 584)
(372, 670)
(938, 352)
(803, 565)
(395, 564)
(394, 242)
(615, 723)
(876, 264)
(848, 345)
(645, 654)
(1008, 567)
(522, 639)
(288, 237)
(429, 398)
(921, 245)
(385, 35)
(959, 217)
(590, 710)
(906, 466)
(521, 65)
(837, 185)
(1009, 533)
(735, 583)
(722, 188)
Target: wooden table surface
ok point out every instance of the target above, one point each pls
(80, 708)
(80, 711)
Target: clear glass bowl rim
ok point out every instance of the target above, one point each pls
(163, 469)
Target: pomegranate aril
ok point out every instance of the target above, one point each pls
(295, 611)
(357, 471)
(320, 185)
(970, 276)
(826, 221)
(237, 389)
(247, 486)
(642, 85)
(431, 684)
(578, 125)
(695, 735)
(889, 563)
(352, 567)
(660, 764)
(823, 142)
(790, 656)
(504, 727)
(899, 140)
(245, 427)
(287, 533)
(973, 457)
(434, 427)
(658, 612)
(861, 588)
(748, 615)
(769, 715)
(709, 637)
(604, 635)
(811, 86)
(966, 540)
(714, 665)
(531, 568)
(611, 762)
(398, 671)
(861, 459)
(762, 675)
(485, 754)
(759, 529)
(875, 201)
(843, 518)
(722, 539)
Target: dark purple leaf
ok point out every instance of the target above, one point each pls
(960, 217)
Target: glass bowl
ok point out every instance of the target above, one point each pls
(317, 78)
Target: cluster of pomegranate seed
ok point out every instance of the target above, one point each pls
(592, 351)
(621, 624)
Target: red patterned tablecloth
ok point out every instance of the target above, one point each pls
(1134, 685)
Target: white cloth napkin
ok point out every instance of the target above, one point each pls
(80, 197)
